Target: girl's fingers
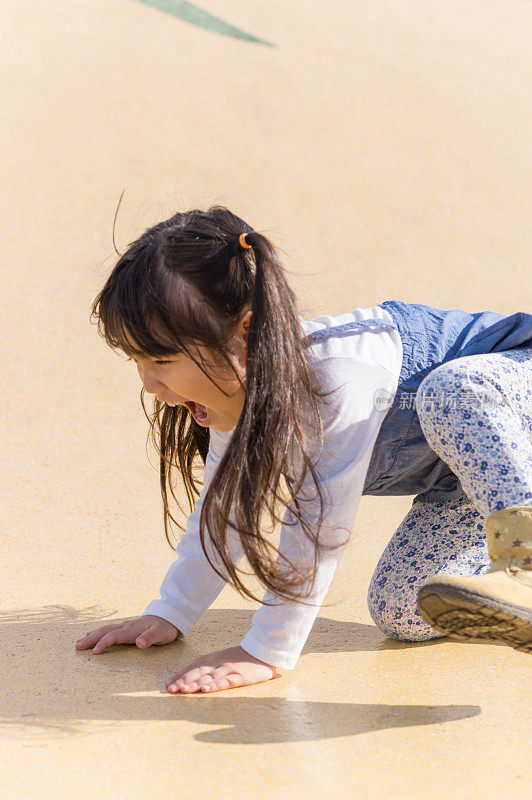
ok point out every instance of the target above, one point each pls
(204, 680)
(93, 636)
(191, 678)
(103, 644)
(215, 674)
(189, 674)
(120, 636)
(227, 682)
(224, 669)
(147, 637)
(126, 633)
(86, 641)
(177, 684)
(211, 682)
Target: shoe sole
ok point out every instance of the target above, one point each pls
(466, 616)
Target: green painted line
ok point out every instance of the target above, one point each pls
(189, 12)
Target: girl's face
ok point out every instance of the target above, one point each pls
(178, 379)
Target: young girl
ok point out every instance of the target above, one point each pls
(394, 399)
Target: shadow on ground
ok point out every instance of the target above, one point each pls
(60, 691)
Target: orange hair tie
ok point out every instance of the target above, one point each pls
(242, 240)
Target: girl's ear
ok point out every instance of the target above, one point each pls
(244, 326)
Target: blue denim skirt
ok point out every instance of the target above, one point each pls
(402, 462)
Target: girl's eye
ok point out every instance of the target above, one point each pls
(160, 361)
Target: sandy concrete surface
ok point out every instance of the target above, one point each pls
(385, 148)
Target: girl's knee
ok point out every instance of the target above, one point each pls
(398, 617)
(405, 628)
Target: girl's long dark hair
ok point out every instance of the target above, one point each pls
(187, 280)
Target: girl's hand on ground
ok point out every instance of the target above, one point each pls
(142, 631)
(224, 669)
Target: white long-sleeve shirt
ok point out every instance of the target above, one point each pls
(359, 364)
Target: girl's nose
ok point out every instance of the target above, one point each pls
(151, 385)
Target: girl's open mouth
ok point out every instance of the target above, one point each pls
(199, 412)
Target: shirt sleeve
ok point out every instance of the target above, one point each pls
(191, 585)
(351, 425)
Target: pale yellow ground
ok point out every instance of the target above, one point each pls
(385, 148)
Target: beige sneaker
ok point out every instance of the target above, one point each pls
(495, 606)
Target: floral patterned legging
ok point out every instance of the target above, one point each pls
(476, 413)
